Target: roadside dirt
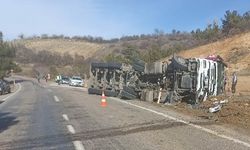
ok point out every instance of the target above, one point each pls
(235, 113)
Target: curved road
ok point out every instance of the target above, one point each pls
(53, 117)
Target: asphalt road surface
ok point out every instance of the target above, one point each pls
(53, 117)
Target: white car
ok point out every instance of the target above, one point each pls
(76, 81)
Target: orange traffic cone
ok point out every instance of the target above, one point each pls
(103, 103)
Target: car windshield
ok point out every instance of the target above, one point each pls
(124, 74)
(76, 78)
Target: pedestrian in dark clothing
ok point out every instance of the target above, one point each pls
(225, 83)
(38, 77)
(234, 82)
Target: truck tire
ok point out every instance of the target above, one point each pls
(93, 91)
(99, 92)
(126, 95)
(110, 93)
(179, 63)
(106, 65)
(139, 62)
(138, 65)
(129, 90)
(138, 68)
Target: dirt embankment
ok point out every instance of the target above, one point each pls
(235, 51)
(235, 113)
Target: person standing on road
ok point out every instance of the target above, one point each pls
(225, 83)
(46, 78)
(38, 77)
(234, 82)
(59, 78)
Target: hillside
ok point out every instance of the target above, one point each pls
(97, 51)
(61, 46)
(235, 51)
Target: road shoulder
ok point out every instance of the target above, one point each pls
(201, 124)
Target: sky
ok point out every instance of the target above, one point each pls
(110, 18)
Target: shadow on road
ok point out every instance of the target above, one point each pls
(20, 80)
(59, 139)
(6, 120)
(24, 81)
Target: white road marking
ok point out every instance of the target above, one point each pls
(65, 117)
(19, 89)
(56, 99)
(78, 145)
(187, 123)
(71, 129)
(71, 87)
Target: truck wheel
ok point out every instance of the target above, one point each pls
(129, 90)
(92, 91)
(110, 93)
(126, 95)
(138, 68)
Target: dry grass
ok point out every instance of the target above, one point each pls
(83, 48)
(229, 49)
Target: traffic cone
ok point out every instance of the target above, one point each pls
(103, 102)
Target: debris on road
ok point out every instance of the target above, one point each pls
(224, 101)
(217, 105)
(235, 111)
(215, 108)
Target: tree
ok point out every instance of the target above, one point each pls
(131, 53)
(7, 54)
(53, 71)
(67, 59)
(1, 37)
(173, 31)
(78, 60)
(44, 36)
(231, 21)
(246, 21)
(159, 32)
(114, 58)
(21, 36)
(211, 33)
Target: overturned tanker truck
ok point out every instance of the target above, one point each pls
(191, 80)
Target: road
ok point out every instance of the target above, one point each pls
(52, 117)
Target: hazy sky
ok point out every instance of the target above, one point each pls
(110, 18)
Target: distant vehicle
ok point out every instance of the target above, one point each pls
(4, 87)
(60, 79)
(76, 81)
(64, 80)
